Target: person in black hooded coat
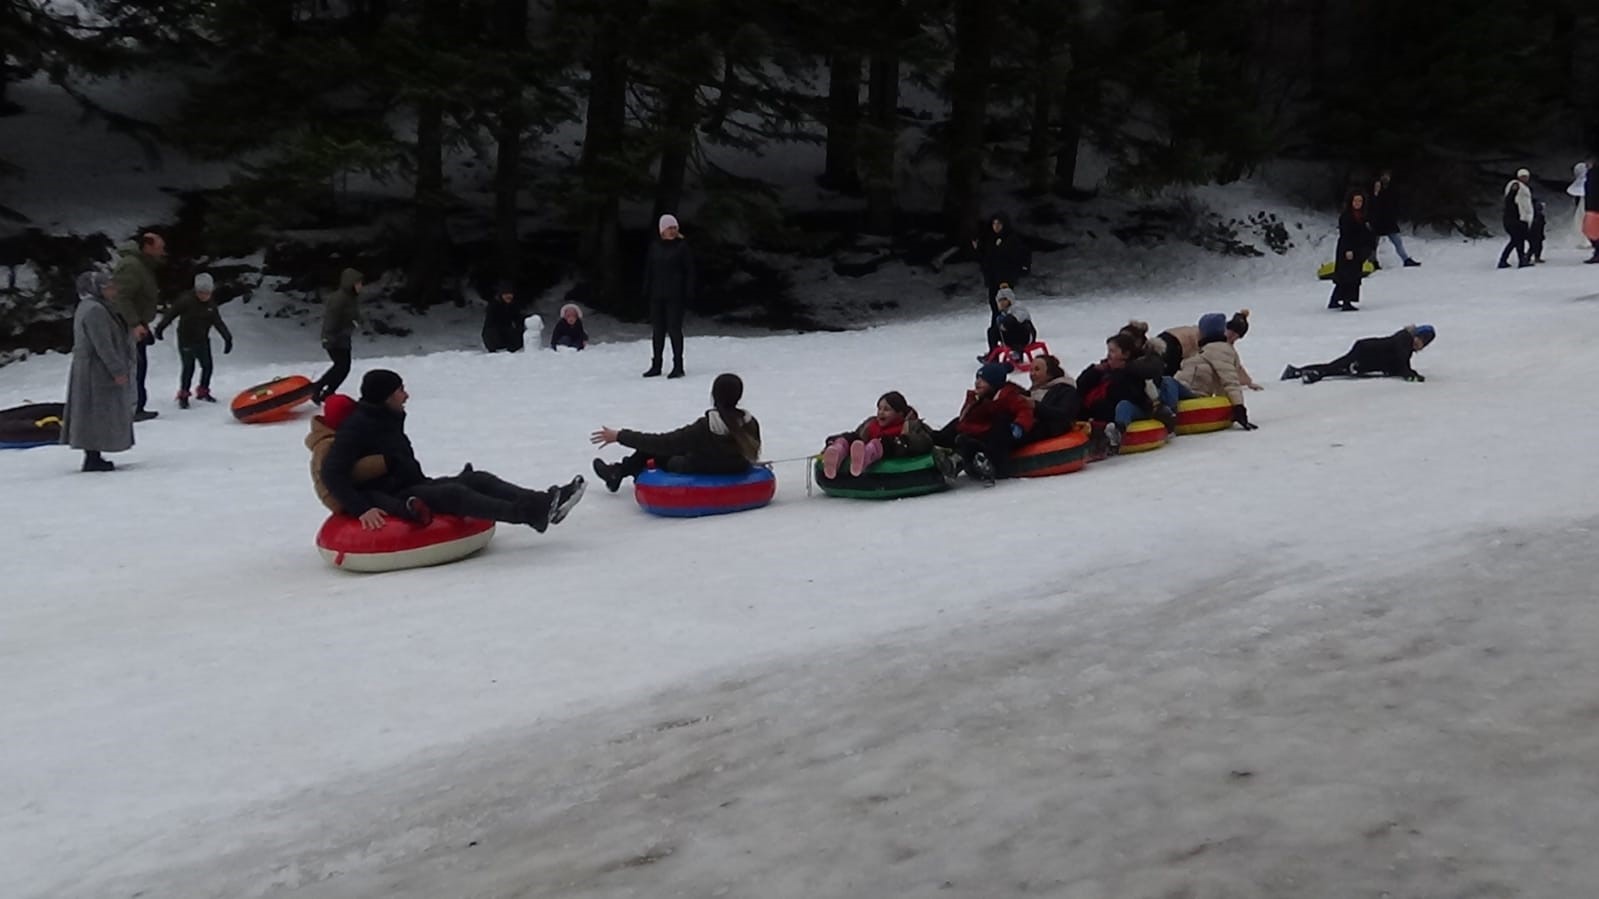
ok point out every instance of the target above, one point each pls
(504, 321)
(1004, 257)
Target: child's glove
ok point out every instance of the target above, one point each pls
(1016, 431)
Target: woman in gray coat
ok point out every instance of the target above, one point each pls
(100, 392)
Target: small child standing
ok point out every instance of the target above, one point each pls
(895, 431)
(568, 330)
(196, 315)
(1537, 232)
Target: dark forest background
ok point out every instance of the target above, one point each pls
(298, 95)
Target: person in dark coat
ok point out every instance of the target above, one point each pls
(1385, 219)
(341, 312)
(196, 315)
(1116, 388)
(1054, 399)
(377, 428)
(1354, 230)
(569, 331)
(1386, 356)
(504, 321)
(1518, 211)
(670, 285)
(1536, 232)
(725, 440)
(138, 301)
(1590, 208)
(1003, 256)
(101, 395)
(995, 417)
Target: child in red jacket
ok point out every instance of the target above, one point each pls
(994, 419)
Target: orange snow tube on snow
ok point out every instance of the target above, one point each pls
(273, 401)
(1590, 225)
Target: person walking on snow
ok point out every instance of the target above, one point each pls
(377, 428)
(1518, 213)
(1385, 219)
(670, 284)
(99, 412)
(1003, 256)
(340, 315)
(1388, 356)
(138, 302)
(196, 315)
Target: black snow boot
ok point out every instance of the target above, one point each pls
(93, 461)
(563, 498)
(1290, 373)
(677, 370)
(654, 371)
(611, 474)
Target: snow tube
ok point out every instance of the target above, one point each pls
(888, 479)
(1325, 272)
(1203, 414)
(1143, 435)
(400, 543)
(692, 495)
(273, 401)
(36, 424)
(1590, 225)
(1057, 455)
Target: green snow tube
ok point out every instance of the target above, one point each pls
(888, 479)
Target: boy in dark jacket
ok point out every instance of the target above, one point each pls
(377, 428)
(569, 330)
(196, 315)
(995, 417)
(1389, 356)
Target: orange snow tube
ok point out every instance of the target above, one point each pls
(1056, 455)
(1144, 435)
(273, 401)
(1590, 225)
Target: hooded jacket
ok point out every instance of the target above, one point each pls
(195, 320)
(1003, 408)
(1215, 371)
(572, 335)
(669, 274)
(1005, 256)
(1101, 389)
(707, 444)
(1384, 206)
(1055, 406)
(138, 295)
(319, 442)
(343, 311)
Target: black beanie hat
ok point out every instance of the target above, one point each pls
(726, 391)
(1239, 323)
(378, 385)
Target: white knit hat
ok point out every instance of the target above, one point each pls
(203, 283)
(1523, 173)
(667, 221)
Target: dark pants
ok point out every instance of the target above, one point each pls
(144, 369)
(201, 353)
(1518, 241)
(997, 443)
(634, 464)
(1535, 237)
(667, 318)
(478, 494)
(329, 383)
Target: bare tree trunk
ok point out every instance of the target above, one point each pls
(511, 25)
(843, 123)
(427, 268)
(880, 140)
(1040, 143)
(678, 120)
(602, 148)
(1071, 135)
(974, 28)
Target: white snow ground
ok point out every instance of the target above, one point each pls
(1348, 654)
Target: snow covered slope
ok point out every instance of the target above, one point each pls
(1265, 662)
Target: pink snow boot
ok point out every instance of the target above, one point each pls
(833, 457)
(863, 455)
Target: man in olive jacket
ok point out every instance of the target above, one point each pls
(138, 302)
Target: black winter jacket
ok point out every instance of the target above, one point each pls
(1384, 355)
(1384, 212)
(1354, 234)
(564, 334)
(669, 275)
(371, 430)
(699, 446)
(1100, 390)
(1590, 190)
(1005, 256)
(1056, 412)
(503, 326)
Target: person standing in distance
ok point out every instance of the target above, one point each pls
(669, 285)
(137, 302)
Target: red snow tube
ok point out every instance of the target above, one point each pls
(36, 424)
(1203, 414)
(273, 401)
(399, 543)
(692, 495)
(1590, 225)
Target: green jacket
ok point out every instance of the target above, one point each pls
(138, 297)
(343, 311)
(195, 320)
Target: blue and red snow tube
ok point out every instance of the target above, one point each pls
(693, 495)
